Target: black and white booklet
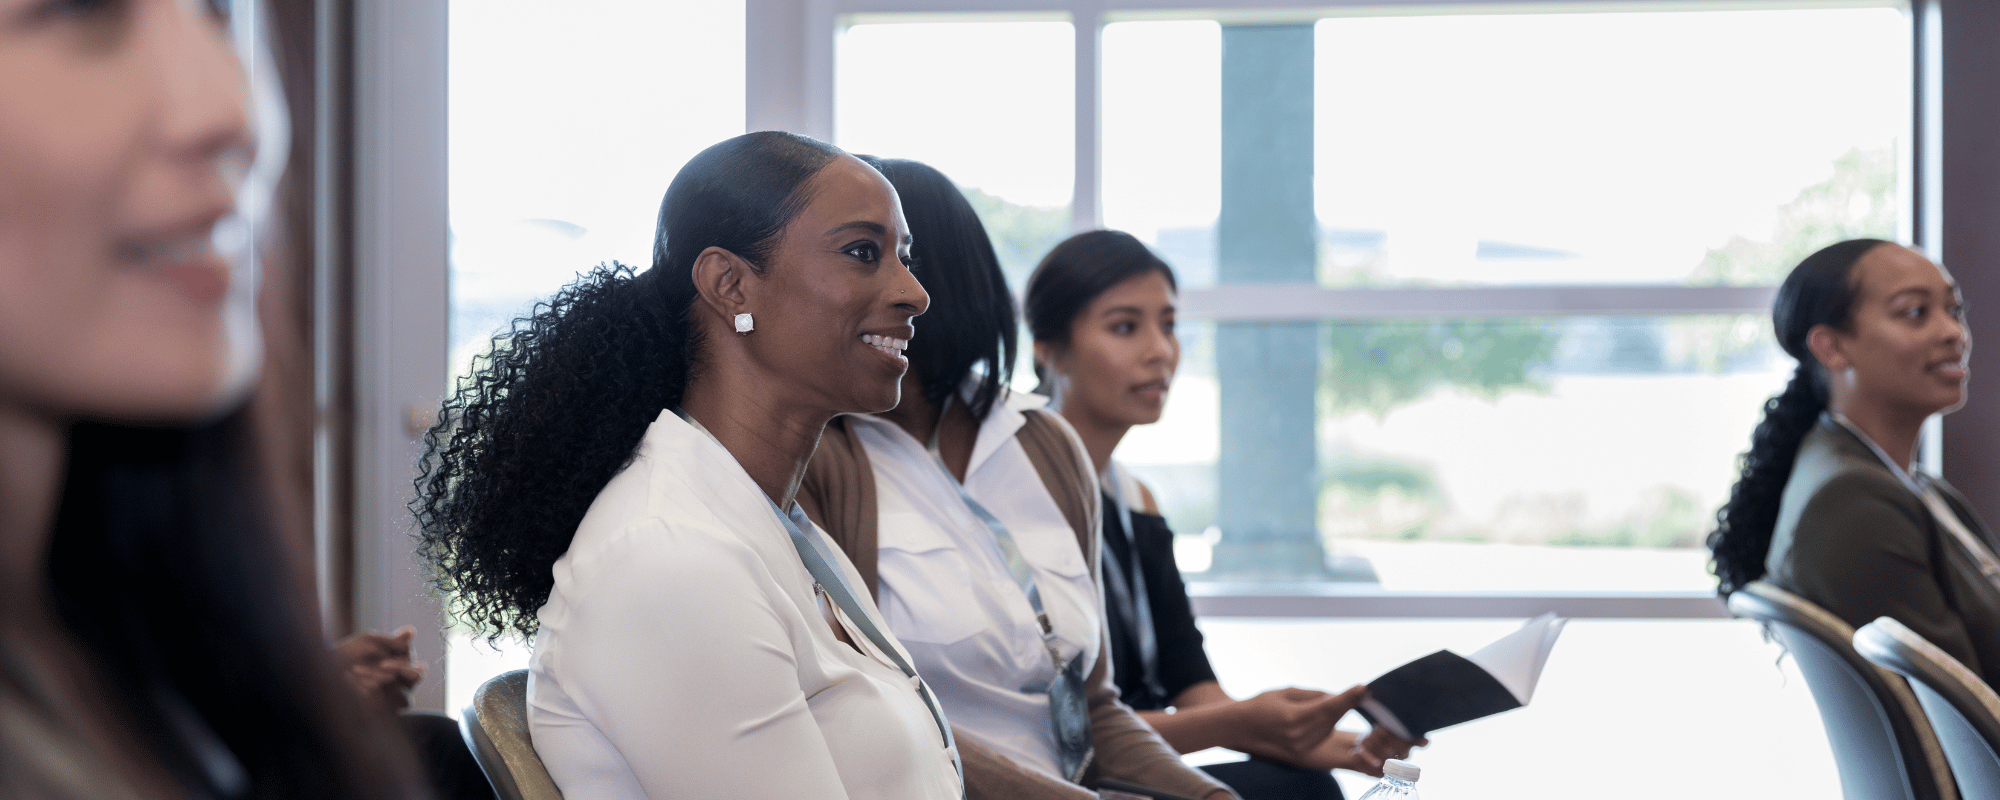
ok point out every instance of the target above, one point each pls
(1444, 688)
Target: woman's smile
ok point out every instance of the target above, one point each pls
(890, 346)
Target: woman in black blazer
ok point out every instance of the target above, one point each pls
(1830, 506)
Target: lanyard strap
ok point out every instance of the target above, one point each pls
(1128, 578)
(1017, 564)
(1069, 712)
(819, 562)
(1981, 552)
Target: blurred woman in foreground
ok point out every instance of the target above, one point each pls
(155, 641)
(1101, 307)
(1830, 505)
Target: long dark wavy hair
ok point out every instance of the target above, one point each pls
(1819, 291)
(971, 323)
(1073, 274)
(166, 565)
(559, 404)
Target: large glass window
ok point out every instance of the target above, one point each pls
(1473, 440)
(1162, 127)
(1711, 147)
(1579, 453)
(992, 104)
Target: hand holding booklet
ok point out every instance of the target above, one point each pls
(1444, 688)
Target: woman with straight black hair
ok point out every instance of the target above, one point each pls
(616, 481)
(157, 636)
(972, 513)
(1830, 505)
(1101, 308)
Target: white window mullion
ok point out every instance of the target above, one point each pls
(1283, 302)
(1087, 17)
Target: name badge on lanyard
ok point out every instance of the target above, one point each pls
(1069, 710)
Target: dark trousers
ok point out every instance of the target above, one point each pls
(1260, 779)
(447, 763)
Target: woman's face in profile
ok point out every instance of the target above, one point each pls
(835, 306)
(1908, 343)
(123, 137)
(1122, 352)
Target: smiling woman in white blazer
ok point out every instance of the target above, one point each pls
(616, 481)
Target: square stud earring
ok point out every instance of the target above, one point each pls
(744, 324)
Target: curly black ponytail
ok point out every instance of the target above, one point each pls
(1819, 291)
(560, 404)
(544, 421)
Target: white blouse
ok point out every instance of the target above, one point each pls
(684, 652)
(946, 591)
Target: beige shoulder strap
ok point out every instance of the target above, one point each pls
(838, 495)
(1059, 457)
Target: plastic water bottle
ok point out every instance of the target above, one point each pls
(1399, 782)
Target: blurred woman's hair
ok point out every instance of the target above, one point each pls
(166, 565)
(1820, 291)
(560, 403)
(1073, 274)
(970, 324)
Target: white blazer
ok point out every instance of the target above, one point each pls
(684, 652)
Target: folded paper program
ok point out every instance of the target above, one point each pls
(1444, 688)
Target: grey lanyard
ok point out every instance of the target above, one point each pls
(1129, 581)
(1068, 711)
(1981, 553)
(819, 562)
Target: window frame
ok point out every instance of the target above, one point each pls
(790, 85)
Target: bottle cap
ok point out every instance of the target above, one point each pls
(1401, 770)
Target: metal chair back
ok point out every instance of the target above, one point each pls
(1882, 743)
(496, 728)
(1964, 710)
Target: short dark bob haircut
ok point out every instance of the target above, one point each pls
(971, 319)
(1075, 273)
(560, 404)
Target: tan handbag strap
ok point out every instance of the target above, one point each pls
(838, 492)
(1064, 465)
(838, 495)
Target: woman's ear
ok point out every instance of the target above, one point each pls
(719, 280)
(1824, 342)
(1045, 355)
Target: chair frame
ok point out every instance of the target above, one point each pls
(510, 762)
(1917, 756)
(1963, 708)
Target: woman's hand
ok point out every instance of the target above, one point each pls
(1291, 724)
(1342, 750)
(1384, 745)
(380, 668)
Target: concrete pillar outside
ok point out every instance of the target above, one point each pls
(1268, 471)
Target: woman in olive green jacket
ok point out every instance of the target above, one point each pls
(1829, 505)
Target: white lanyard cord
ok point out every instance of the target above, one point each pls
(1927, 493)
